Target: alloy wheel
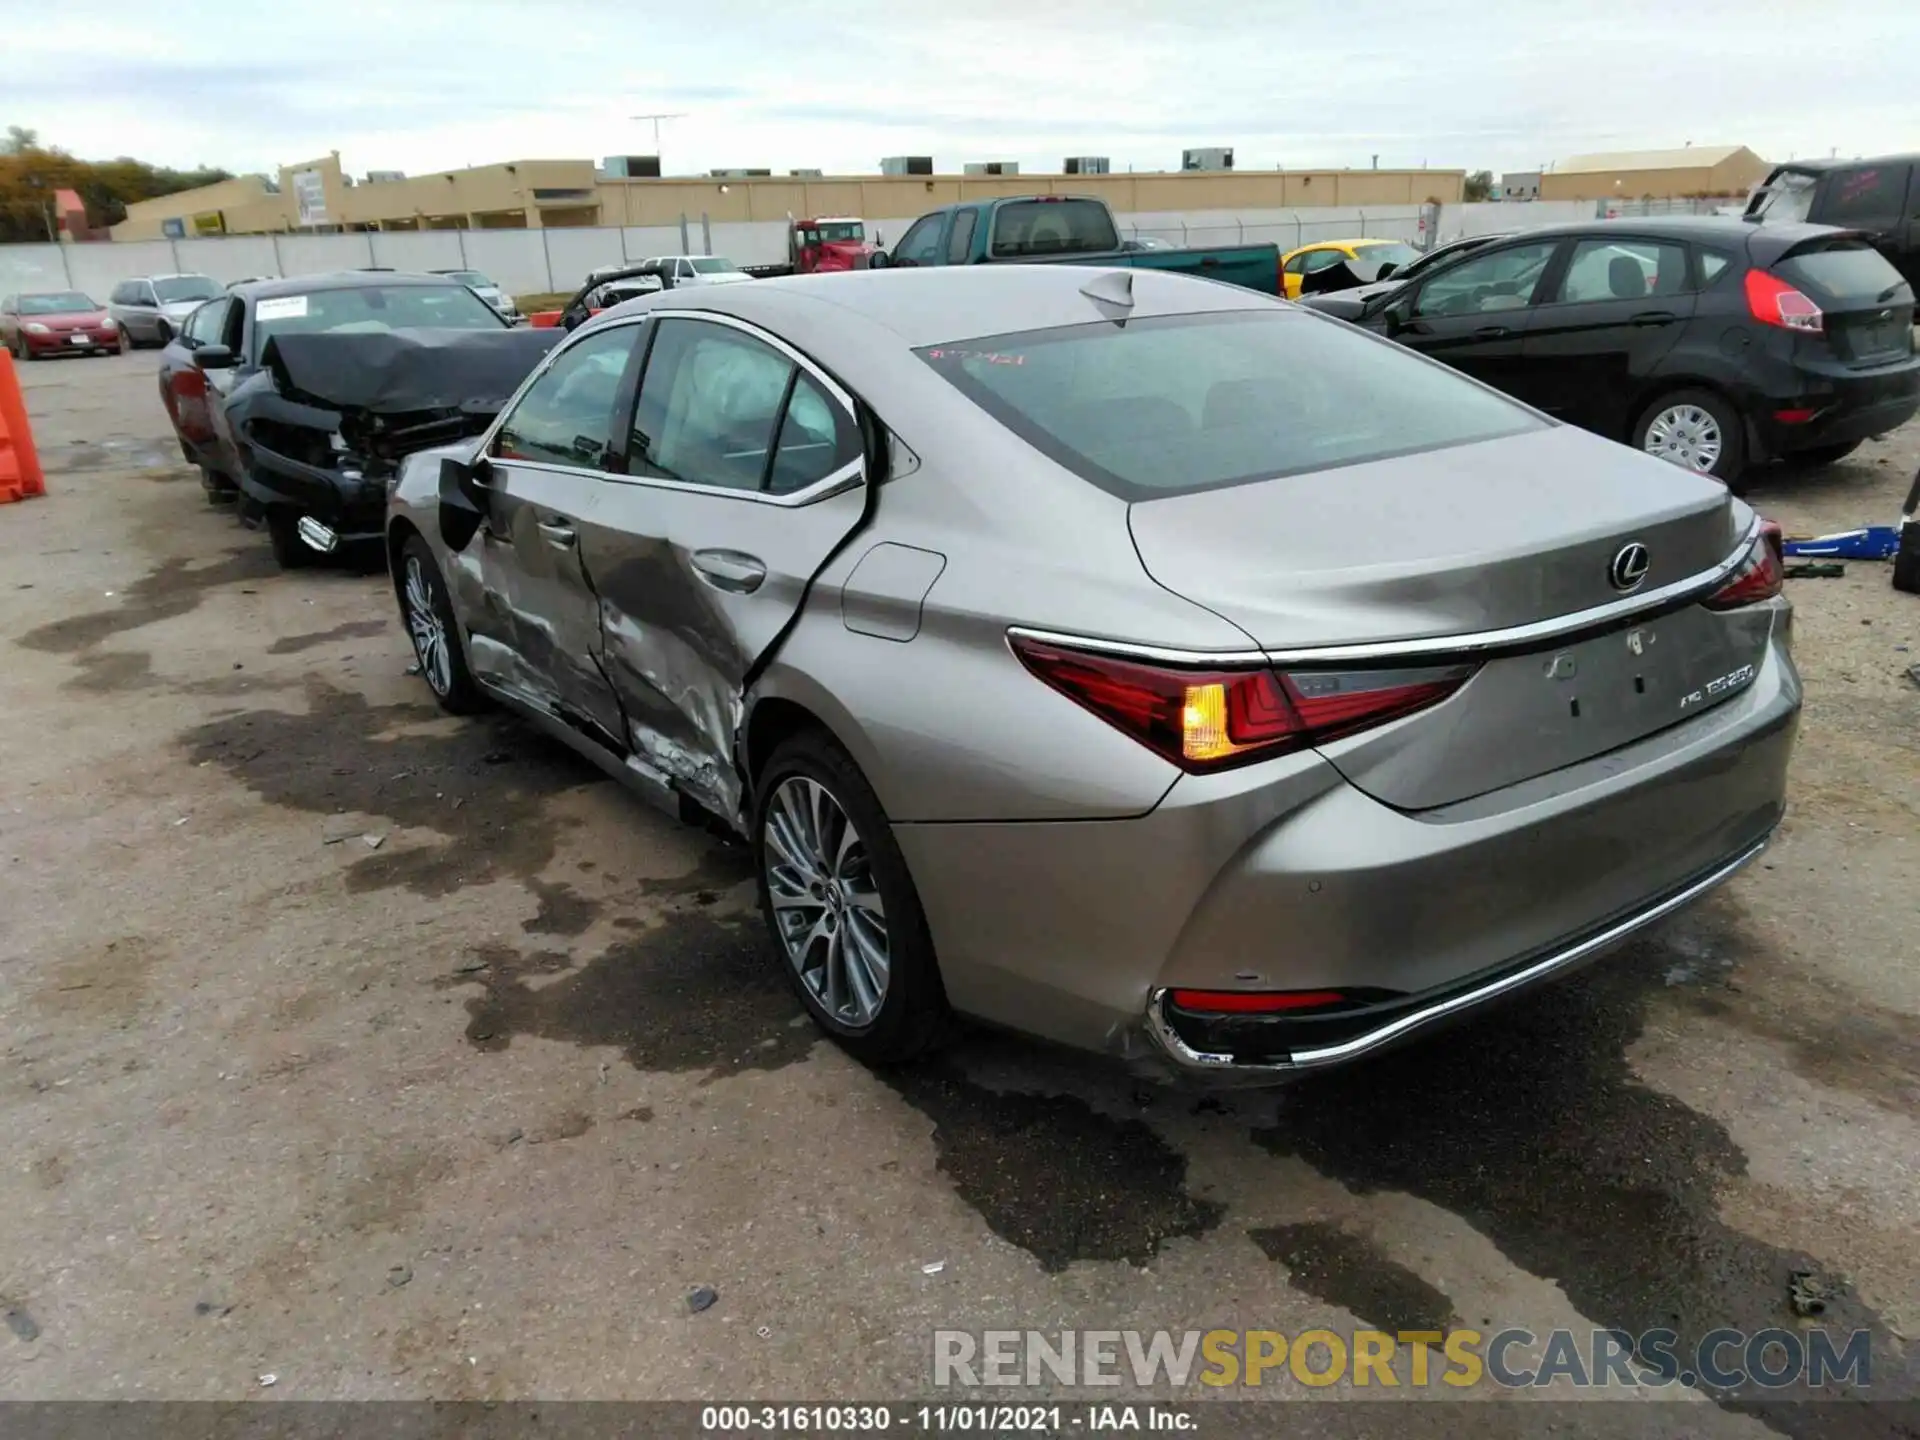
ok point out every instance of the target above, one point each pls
(826, 902)
(430, 641)
(1686, 435)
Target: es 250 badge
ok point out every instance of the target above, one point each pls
(1714, 689)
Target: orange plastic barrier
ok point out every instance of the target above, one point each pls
(20, 473)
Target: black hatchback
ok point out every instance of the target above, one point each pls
(1710, 342)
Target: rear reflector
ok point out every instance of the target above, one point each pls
(1759, 577)
(1215, 719)
(1772, 301)
(1794, 417)
(1243, 1002)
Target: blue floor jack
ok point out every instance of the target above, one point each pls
(1898, 543)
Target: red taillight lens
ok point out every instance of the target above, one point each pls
(1759, 577)
(1255, 1002)
(1214, 719)
(1774, 302)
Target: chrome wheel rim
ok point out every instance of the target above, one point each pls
(1686, 435)
(429, 635)
(826, 905)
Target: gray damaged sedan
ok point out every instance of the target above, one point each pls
(1121, 658)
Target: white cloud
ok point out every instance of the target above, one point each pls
(432, 84)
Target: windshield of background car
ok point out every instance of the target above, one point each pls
(372, 308)
(67, 302)
(713, 265)
(470, 277)
(1788, 196)
(1172, 404)
(841, 231)
(186, 287)
(1370, 260)
(1052, 227)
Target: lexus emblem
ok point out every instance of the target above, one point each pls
(1629, 567)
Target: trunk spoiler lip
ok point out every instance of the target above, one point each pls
(1533, 634)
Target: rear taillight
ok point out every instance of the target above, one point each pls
(1256, 1002)
(1774, 302)
(1759, 577)
(1214, 719)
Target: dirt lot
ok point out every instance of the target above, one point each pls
(396, 1056)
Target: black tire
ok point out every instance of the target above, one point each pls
(913, 1018)
(454, 687)
(1906, 561)
(162, 334)
(217, 488)
(283, 533)
(1822, 455)
(1732, 461)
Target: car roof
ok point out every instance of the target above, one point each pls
(1818, 166)
(931, 304)
(338, 280)
(1730, 229)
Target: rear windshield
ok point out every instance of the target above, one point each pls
(1174, 404)
(1053, 227)
(1788, 196)
(1849, 269)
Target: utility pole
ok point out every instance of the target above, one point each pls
(656, 119)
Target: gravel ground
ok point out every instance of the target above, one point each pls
(397, 1056)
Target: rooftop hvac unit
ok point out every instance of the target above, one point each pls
(385, 177)
(1215, 158)
(632, 167)
(993, 167)
(1087, 165)
(806, 174)
(907, 165)
(738, 174)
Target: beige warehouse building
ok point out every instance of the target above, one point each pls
(1696, 170)
(523, 194)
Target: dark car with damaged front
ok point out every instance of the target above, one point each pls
(303, 396)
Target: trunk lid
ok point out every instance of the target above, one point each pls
(1474, 538)
(1867, 305)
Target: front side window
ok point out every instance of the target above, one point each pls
(1623, 270)
(1172, 404)
(921, 244)
(566, 416)
(720, 408)
(204, 325)
(1502, 280)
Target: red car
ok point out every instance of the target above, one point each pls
(57, 322)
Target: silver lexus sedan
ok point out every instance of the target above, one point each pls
(1126, 659)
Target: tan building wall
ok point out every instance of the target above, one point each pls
(663, 202)
(1735, 175)
(535, 193)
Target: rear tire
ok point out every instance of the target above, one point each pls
(283, 533)
(426, 609)
(1822, 455)
(1696, 430)
(844, 900)
(163, 334)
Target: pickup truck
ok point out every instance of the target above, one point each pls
(1064, 230)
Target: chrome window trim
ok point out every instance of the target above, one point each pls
(1187, 1058)
(1537, 632)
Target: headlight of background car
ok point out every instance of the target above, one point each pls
(109, 324)
(34, 327)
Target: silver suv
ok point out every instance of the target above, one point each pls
(151, 308)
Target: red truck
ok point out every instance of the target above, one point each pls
(822, 246)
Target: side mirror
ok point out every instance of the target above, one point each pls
(1387, 270)
(879, 260)
(214, 357)
(1398, 311)
(879, 239)
(463, 499)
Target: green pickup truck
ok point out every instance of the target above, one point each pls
(1064, 230)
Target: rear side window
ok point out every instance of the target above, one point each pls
(1052, 227)
(1173, 404)
(1846, 269)
(960, 242)
(1623, 270)
(1868, 193)
(1713, 264)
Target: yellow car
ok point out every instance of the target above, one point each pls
(1363, 258)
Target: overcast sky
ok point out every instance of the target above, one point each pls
(420, 85)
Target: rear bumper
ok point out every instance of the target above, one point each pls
(1283, 876)
(1848, 405)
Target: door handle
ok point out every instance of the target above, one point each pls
(559, 534)
(1490, 332)
(1655, 317)
(729, 570)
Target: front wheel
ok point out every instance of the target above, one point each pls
(841, 905)
(1696, 430)
(427, 610)
(290, 552)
